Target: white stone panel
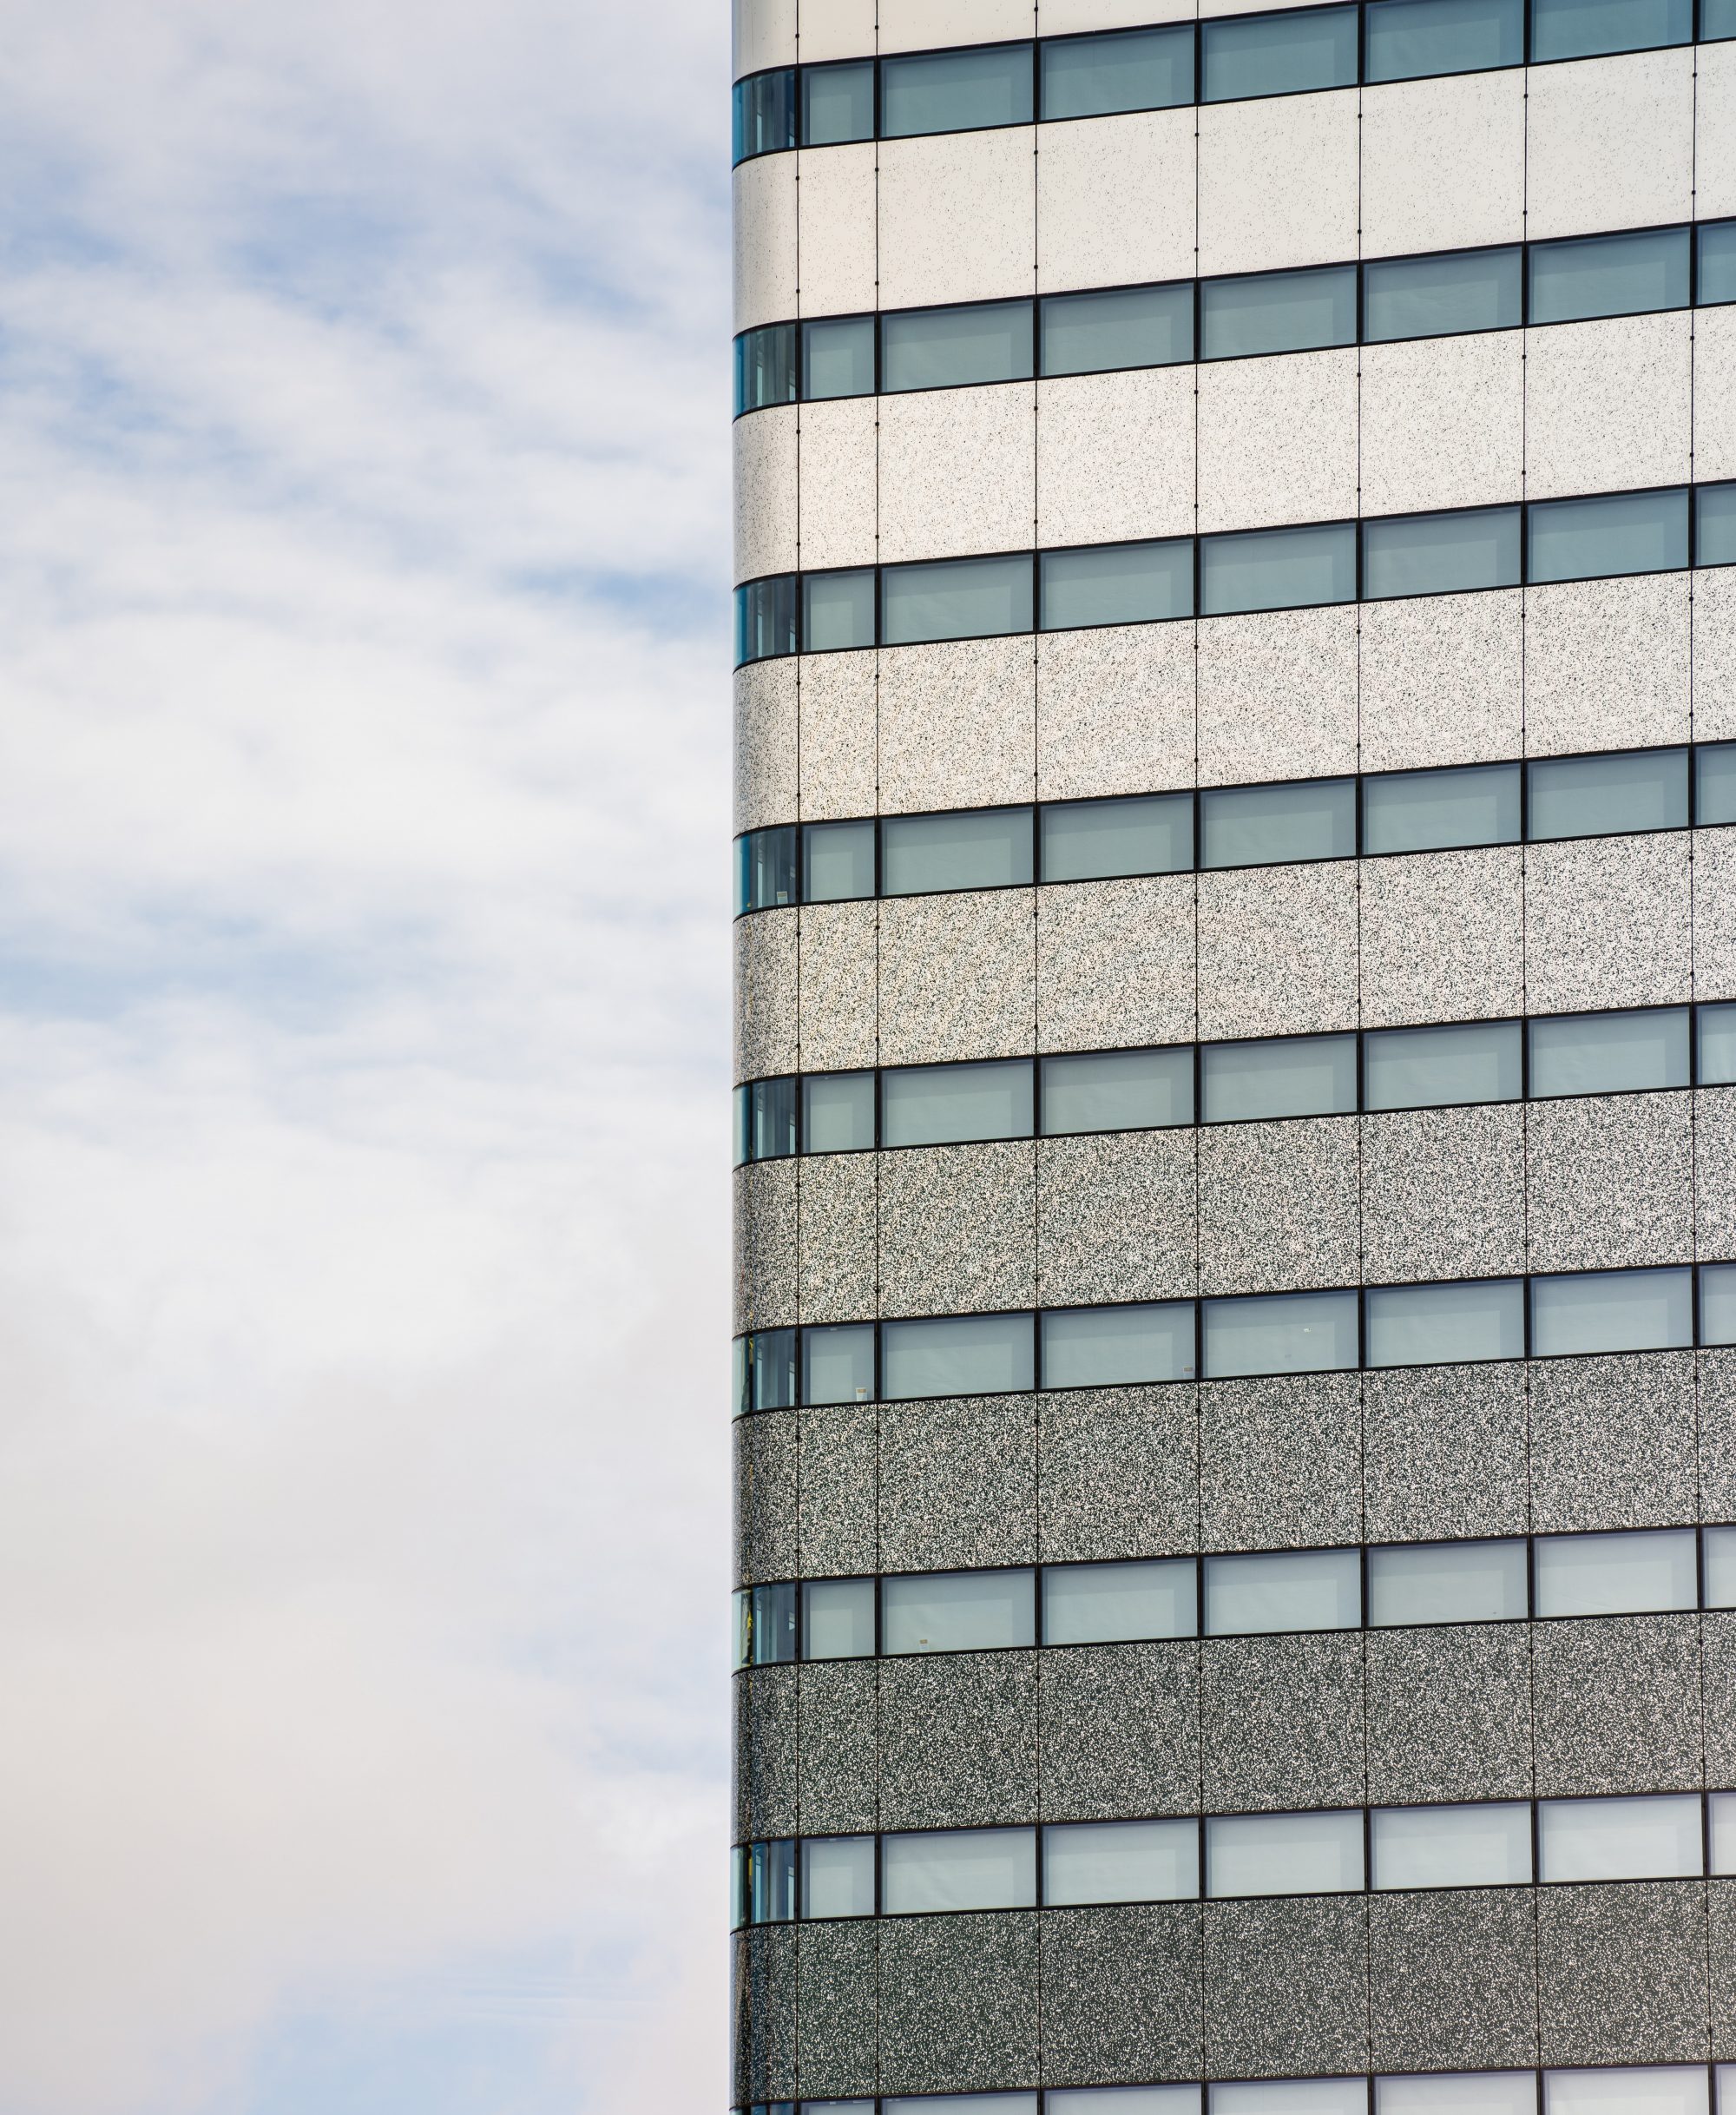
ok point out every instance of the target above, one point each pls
(763, 33)
(1606, 664)
(1114, 456)
(1278, 439)
(920, 25)
(1443, 163)
(834, 29)
(1442, 423)
(838, 477)
(765, 191)
(1714, 143)
(958, 724)
(1114, 710)
(958, 472)
(1277, 696)
(835, 194)
(764, 465)
(958, 217)
(1278, 182)
(1714, 393)
(1609, 143)
(1607, 404)
(1441, 680)
(1116, 200)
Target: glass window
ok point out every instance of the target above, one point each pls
(1616, 1575)
(766, 868)
(1601, 796)
(1095, 1605)
(837, 357)
(1279, 54)
(1091, 840)
(1132, 326)
(1292, 1076)
(1717, 1045)
(956, 91)
(944, 348)
(1409, 39)
(838, 861)
(770, 1373)
(1125, 1090)
(942, 2104)
(1439, 1325)
(1290, 2097)
(1286, 1333)
(1582, 29)
(1610, 1310)
(1458, 2092)
(838, 103)
(1440, 554)
(769, 1110)
(1116, 583)
(1717, 21)
(944, 1105)
(838, 1112)
(1722, 1813)
(1125, 2100)
(959, 1868)
(766, 619)
(1430, 811)
(1718, 1303)
(1286, 1590)
(1283, 1854)
(837, 1877)
(957, 1354)
(1120, 1862)
(1276, 569)
(1098, 1348)
(1714, 781)
(1715, 525)
(1262, 826)
(837, 1620)
(837, 1363)
(1598, 539)
(765, 367)
(988, 848)
(1717, 281)
(1436, 297)
(1441, 1068)
(766, 1884)
(1446, 1582)
(1609, 275)
(957, 1612)
(1095, 76)
(1451, 1847)
(1277, 311)
(764, 114)
(954, 598)
(1679, 2090)
(766, 1626)
(1721, 1566)
(1607, 1053)
(838, 610)
(1617, 1839)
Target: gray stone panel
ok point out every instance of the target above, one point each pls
(836, 1504)
(1114, 710)
(1120, 1993)
(765, 744)
(1607, 923)
(1443, 1194)
(1718, 1674)
(838, 1006)
(958, 1228)
(1281, 1721)
(1287, 1987)
(1278, 950)
(1115, 963)
(1441, 679)
(1120, 1730)
(1609, 1181)
(1450, 1714)
(1622, 1973)
(836, 1252)
(766, 1723)
(1613, 1441)
(1617, 1701)
(958, 1739)
(957, 976)
(1119, 1472)
(836, 2037)
(838, 1780)
(765, 994)
(1445, 1453)
(958, 1483)
(1721, 1948)
(1442, 936)
(1281, 1463)
(837, 712)
(1115, 1217)
(1714, 914)
(1453, 1979)
(1716, 1372)
(764, 1497)
(763, 2006)
(1714, 1170)
(1278, 1205)
(959, 2003)
(765, 1213)
(957, 719)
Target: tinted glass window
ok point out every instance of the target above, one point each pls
(1720, 1544)
(1609, 275)
(969, 1355)
(941, 1104)
(1440, 554)
(1294, 1076)
(1293, 1333)
(1427, 811)
(766, 1626)
(765, 367)
(838, 861)
(1118, 1861)
(838, 1364)
(1278, 569)
(956, 91)
(1408, 39)
(1433, 297)
(1087, 1347)
(1451, 1847)
(765, 618)
(1718, 1303)
(1441, 1068)
(765, 113)
(1715, 524)
(1607, 1053)
(838, 103)
(1283, 1854)
(1717, 1045)
(1436, 1325)
(1581, 29)
(958, 598)
(766, 868)
(769, 1109)
(1260, 825)
(957, 1612)
(1447, 1582)
(1093, 76)
(837, 1877)
(1611, 1310)
(1117, 1090)
(771, 1363)
(965, 1868)
(1717, 280)
(1716, 19)
(1300, 1590)
(1616, 1575)
(1116, 583)
(1617, 1839)
(838, 357)
(1591, 539)
(987, 848)
(944, 348)
(1104, 1604)
(1136, 326)
(838, 610)
(1278, 312)
(1084, 841)
(1601, 796)
(837, 1620)
(1279, 54)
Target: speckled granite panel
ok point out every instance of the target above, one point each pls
(1622, 1973)
(836, 2040)
(1606, 663)
(1287, 1987)
(1607, 408)
(1120, 1471)
(1278, 950)
(1277, 442)
(836, 1500)
(1443, 1194)
(765, 1216)
(1120, 1730)
(764, 1497)
(1281, 1721)
(1442, 420)
(765, 1702)
(1714, 914)
(1609, 1180)
(1716, 1373)
(958, 1483)
(959, 2003)
(1278, 1205)
(764, 451)
(1114, 710)
(1612, 1441)
(836, 713)
(837, 1774)
(1718, 1676)
(765, 744)
(1120, 1993)
(836, 1256)
(1617, 1701)
(1441, 680)
(1281, 1462)
(1445, 1453)
(1721, 1936)
(1453, 1979)
(957, 976)
(1115, 963)
(765, 994)
(1442, 936)
(959, 1227)
(958, 724)
(837, 1000)
(1115, 1217)
(1278, 694)
(1448, 1713)
(1114, 456)
(957, 476)
(1607, 923)
(763, 2003)
(1714, 1170)
(1714, 654)
(958, 1739)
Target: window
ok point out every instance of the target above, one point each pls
(838, 103)
(1714, 781)
(1134, 327)
(765, 618)
(1120, 1862)
(990, 848)
(837, 357)
(1436, 1325)
(838, 610)
(1085, 1348)
(1716, 19)
(766, 1379)
(1451, 1847)
(1441, 554)
(1116, 583)
(1616, 1575)
(956, 1354)
(1680, 2090)
(956, 91)
(765, 1883)
(1430, 811)
(1720, 1812)
(1717, 282)
(765, 1626)
(764, 114)
(1283, 1854)
(1440, 1068)
(1279, 569)
(838, 1112)
(1720, 1544)
(1278, 55)
(1408, 39)
(1287, 1589)
(1605, 538)
(959, 1868)
(1121, 2101)
(1601, 796)
(929, 2103)
(1278, 312)
(946, 1104)
(1583, 28)
(1476, 2092)
(1718, 1303)
(1435, 297)
(1446, 1582)
(837, 1877)
(1117, 1090)
(838, 861)
(1290, 2097)
(1095, 76)
(1106, 1603)
(1609, 275)
(1089, 840)
(1715, 524)
(1262, 826)
(1294, 1076)
(837, 1620)
(1286, 1333)
(765, 368)
(954, 598)
(1619, 1839)
(946, 348)
(766, 1120)
(1610, 1310)
(957, 1612)
(1609, 1053)
(1717, 1044)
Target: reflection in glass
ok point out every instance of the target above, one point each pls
(946, 1104)
(1718, 1303)
(838, 1112)
(954, 598)
(956, 91)
(1720, 1559)
(1279, 54)
(1436, 1325)
(838, 861)
(1609, 1053)
(1609, 275)
(1717, 1045)
(837, 1620)
(1261, 826)
(838, 103)
(1446, 1582)
(1616, 1575)
(1583, 28)
(1432, 811)
(1284, 1589)
(1677, 2090)
(958, 1868)
(1617, 1839)
(1606, 539)
(1120, 1090)
(963, 1355)
(1441, 554)
(986, 848)
(1116, 583)
(1715, 525)
(1717, 279)
(1290, 2097)
(1458, 2092)
(1435, 297)
(1611, 1310)
(1601, 796)
(1714, 777)
(837, 357)
(1485, 1846)
(837, 1877)
(765, 367)
(1278, 569)
(1131, 327)
(1120, 1862)
(1283, 1854)
(1292, 1076)
(946, 348)
(1092, 840)
(1441, 1068)
(838, 610)
(1408, 39)
(1281, 1333)
(957, 1612)
(837, 1363)
(1085, 1348)
(1106, 1603)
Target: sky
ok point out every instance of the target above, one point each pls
(364, 706)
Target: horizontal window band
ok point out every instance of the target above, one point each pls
(1239, 1857)
(1238, 1336)
(1170, 323)
(1601, 535)
(1173, 65)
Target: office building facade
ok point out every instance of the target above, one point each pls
(1235, 1294)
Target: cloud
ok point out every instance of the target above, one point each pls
(362, 1490)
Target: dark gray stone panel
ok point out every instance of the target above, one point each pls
(1120, 1473)
(958, 1229)
(764, 1497)
(836, 2009)
(1717, 1373)
(1281, 1721)
(1613, 1441)
(958, 1739)
(959, 2003)
(1617, 1702)
(763, 2009)
(835, 1501)
(1450, 1714)
(958, 1483)
(1443, 1193)
(1452, 1979)
(1445, 1453)
(1622, 1973)
(1120, 1993)
(766, 1718)
(837, 1205)
(1609, 1181)
(1286, 1986)
(1120, 1730)
(838, 1781)
(1278, 1205)
(1280, 1461)
(1718, 1665)
(1721, 1951)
